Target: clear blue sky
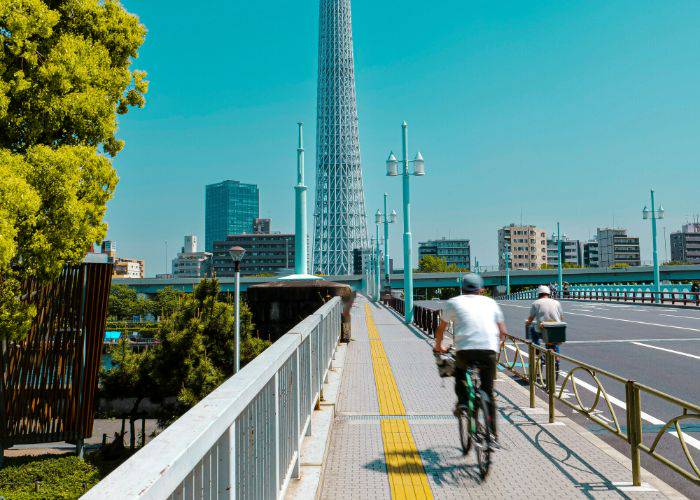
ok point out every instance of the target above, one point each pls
(564, 111)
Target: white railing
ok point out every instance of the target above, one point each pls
(244, 439)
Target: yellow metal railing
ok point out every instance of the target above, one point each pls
(542, 374)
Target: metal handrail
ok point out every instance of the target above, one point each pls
(544, 378)
(244, 439)
(615, 295)
(423, 317)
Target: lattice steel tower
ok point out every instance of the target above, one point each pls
(340, 219)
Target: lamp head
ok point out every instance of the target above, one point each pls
(419, 165)
(392, 165)
(378, 217)
(661, 212)
(236, 253)
(392, 217)
(645, 212)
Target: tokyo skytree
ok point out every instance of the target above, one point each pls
(340, 219)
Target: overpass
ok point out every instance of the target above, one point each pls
(446, 280)
(311, 418)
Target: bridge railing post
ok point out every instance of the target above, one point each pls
(532, 371)
(634, 430)
(551, 382)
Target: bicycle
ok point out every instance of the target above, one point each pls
(474, 418)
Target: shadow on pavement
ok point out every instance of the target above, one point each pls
(549, 446)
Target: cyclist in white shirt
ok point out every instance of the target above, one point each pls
(478, 326)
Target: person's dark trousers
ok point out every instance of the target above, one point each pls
(485, 361)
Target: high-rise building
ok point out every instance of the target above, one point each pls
(264, 254)
(262, 226)
(527, 244)
(453, 251)
(231, 208)
(572, 250)
(590, 254)
(685, 244)
(616, 248)
(190, 263)
(340, 218)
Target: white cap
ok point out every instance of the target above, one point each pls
(543, 289)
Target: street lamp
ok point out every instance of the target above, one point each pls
(654, 213)
(560, 278)
(386, 218)
(506, 256)
(392, 167)
(237, 254)
(377, 259)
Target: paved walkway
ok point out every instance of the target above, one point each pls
(394, 435)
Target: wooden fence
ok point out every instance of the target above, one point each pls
(49, 379)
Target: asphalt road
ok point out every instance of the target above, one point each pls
(656, 346)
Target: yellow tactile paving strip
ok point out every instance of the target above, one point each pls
(407, 478)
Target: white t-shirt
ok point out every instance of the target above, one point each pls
(474, 319)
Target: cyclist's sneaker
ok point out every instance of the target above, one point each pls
(495, 444)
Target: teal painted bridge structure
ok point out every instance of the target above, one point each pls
(446, 280)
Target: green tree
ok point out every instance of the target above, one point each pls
(124, 303)
(165, 302)
(64, 77)
(434, 264)
(197, 347)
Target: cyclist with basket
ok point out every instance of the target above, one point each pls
(477, 325)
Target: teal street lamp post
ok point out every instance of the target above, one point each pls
(377, 267)
(654, 214)
(300, 229)
(560, 277)
(386, 218)
(506, 256)
(392, 165)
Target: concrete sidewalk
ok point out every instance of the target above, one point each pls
(394, 435)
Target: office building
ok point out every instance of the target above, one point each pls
(265, 254)
(262, 226)
(128, 268)
(109, 248)
(685, 244)
(571, 249)
(616, 248)
(190, 263)
(231, 208)
(527, 244)
(590, 254)
(453, 251)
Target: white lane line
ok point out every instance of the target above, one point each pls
(620, 319)
(679, 316)
(622, 341)
(667, 350)
(689, 440)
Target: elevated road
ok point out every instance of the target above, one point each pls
(447, 280)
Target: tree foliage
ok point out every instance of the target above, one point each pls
(64, 78)
(195, 355)
(434, 264)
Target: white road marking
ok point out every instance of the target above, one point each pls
(689, 440)
(623, 341)
(679, 316)
(621, 319)
(667, 350)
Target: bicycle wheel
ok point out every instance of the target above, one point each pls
(465, 436)
(482, 444)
